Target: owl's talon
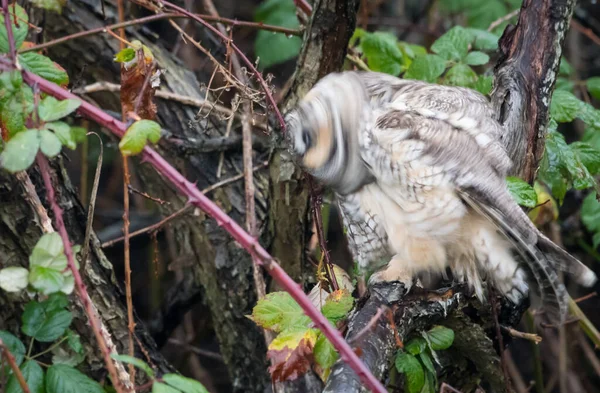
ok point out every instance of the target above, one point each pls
(388, 275)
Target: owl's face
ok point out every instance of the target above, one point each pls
(323, 132)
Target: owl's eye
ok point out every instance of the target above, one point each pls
(306, 138)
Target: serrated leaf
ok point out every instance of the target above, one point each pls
(415, 346)
(588, 155)
(337, 305)
(483, 39)
(49, 252)
(44, 67)
(137, 135)
(382, 52)
(159, 387)
(565, 107)
(16, 109)
(43, 324)
(19, 152)
(10, 83)
(49, 143)
(74, 341)
(440, 337)
(290, 354)
(278, 311)
(324, 352)
(61, 378)
(139, 363)
(46, 280)
(275, 48)
(484, 84)
(521, 191)
(51, 109)
(593, 86)
(64, 133)
(14, 278)
(460, 75)
(19, 29)
(454, 44)
(125, 55)
(34, 377)
(426, 68)
(14, 345)
(476, 58)
(427, 362)
(185, 385)
(411, 367)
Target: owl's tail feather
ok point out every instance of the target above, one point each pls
(565, 262)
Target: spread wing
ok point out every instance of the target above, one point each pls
(434, 136)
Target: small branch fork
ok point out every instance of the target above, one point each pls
(195, 196)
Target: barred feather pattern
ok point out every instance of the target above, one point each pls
(419, 170)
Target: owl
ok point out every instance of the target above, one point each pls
(419, 173)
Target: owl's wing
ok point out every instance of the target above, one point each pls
(458, 152)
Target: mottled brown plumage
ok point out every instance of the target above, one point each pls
(419, 170)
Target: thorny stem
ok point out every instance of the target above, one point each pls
(9, 32)
(152, 18)
(79, 285)
(6, 354)
(248, 242)
(226, 40)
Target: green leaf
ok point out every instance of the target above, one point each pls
(43, 324)
(125, 55)
(411, 367)
(34, 377)
(460, 75)
(19, 152)
(46, 280)
(49, 143)
(565, 107)
(564, 84)
(484, 84)
(49, 252)
(476, 58)
(565, 68)
(44, 67)
(278, 311)
(522, 192)
(63, 133)
(186, 385)
(590, 216)
(19, 28)
(159, 387)
(337, 305)
(79, 134)
(593, 86)
(383, 53)
(50, 5)
(10, 83)
(13, 278)
(137, 135)
(454, 44)
(61, 378)
(275, 48)
(588, 155)
(440, 337)
(16, 109)
(426, 68)
(135, 361)
(483, 40)
(415, 346)
(51, 109)
(14, 345)
(427, 362)
(324, 352)
(74, 342)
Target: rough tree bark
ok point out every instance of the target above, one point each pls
(524, 81)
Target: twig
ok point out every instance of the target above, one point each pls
(79, 285)
(248, 242)
(12, 52)
(145, 195)
(589, 33)
(35, 202)
(14, 367)
(196, 350)
(368, 326)
(586, 297)
(586, 325)
(526, 336)
(92, 204)
(503, 19)
(242, 56)
(128, 292)
(503, 355)
(152, 18)
(515, 374)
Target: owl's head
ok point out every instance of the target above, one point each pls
(323, 131)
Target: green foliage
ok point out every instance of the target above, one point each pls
(44, 67)
(275, 48)
(324, 352)
(14, 345)
(481, 13)
(14, 278)
(183, 384)
(48, 266)
(593, 86)
(521, 191)
(415, 360)
(137, 136)
(34, 377)
(50, 5)
(337, 306)
(125, 55)
(48, 320)
(19, 152)
(61, 378)
(136, 362)
(19, 28)
(278, 312)
(590, 216)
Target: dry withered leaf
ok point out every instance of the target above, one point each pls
(138, 77)
(291, 354)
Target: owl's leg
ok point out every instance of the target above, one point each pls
(394, 271)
